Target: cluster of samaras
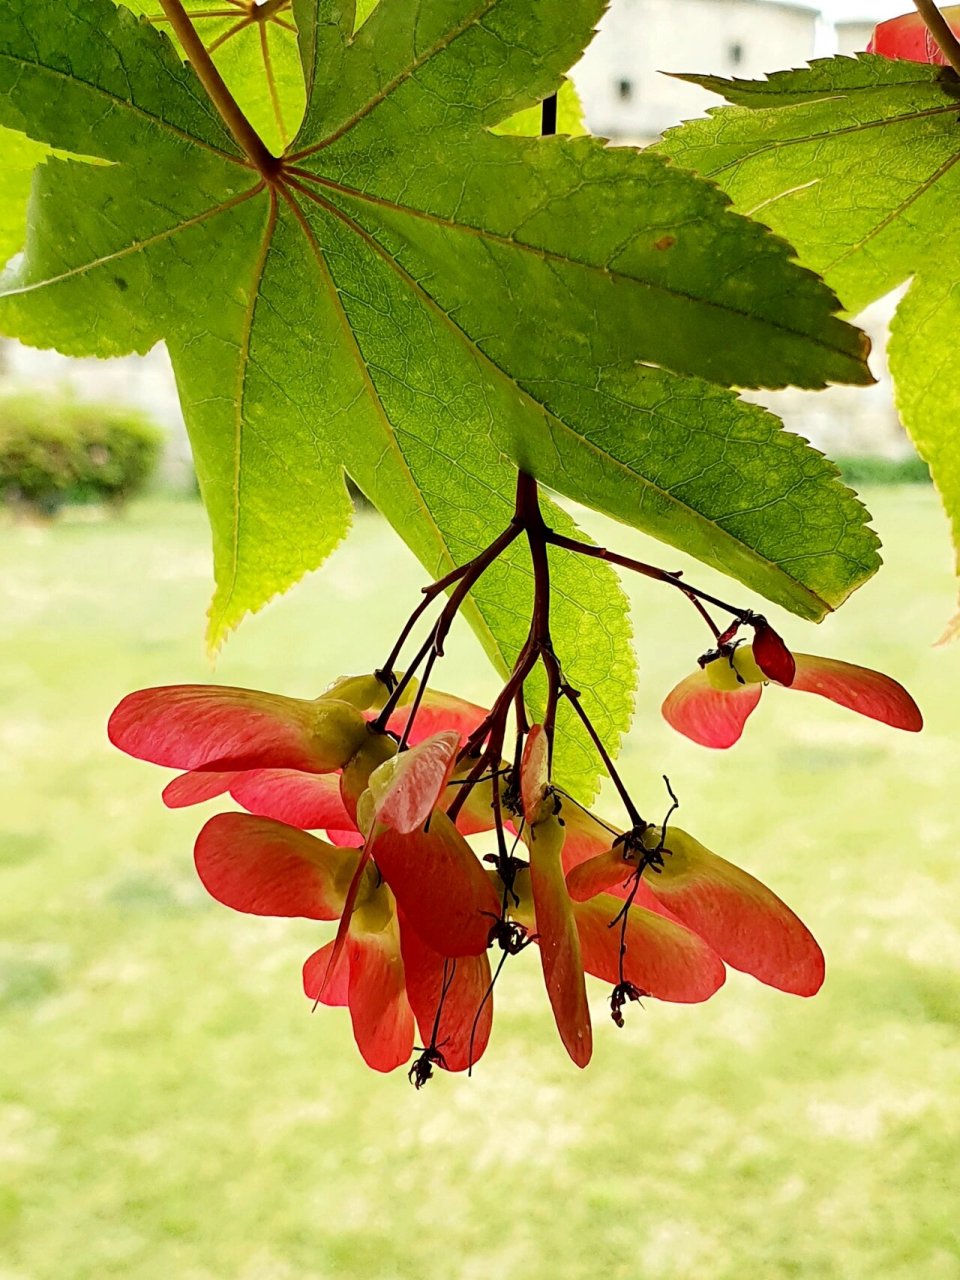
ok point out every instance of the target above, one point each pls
(648, 910)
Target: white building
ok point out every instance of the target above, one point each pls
(619, 78)
(853, 34)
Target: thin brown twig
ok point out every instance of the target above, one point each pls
(573, 697)
(429, 594)
(418, 698)
(465, 577)
(702, 610)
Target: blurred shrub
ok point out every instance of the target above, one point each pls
(57, 451)
(867, 470)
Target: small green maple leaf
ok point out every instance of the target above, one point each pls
(427, 303)
(20, 157)
(254, 46)
(855, 161)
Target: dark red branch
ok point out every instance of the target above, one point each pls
(648, 571)
(465, 577)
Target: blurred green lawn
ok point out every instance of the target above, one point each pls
(170, 1108)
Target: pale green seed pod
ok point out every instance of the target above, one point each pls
(366, 692)
(723, 672)
(338, 732)
(373, 751)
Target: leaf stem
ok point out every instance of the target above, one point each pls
(233, 117)
(538, 536)
(647, 570)
(492, 730)
(939, 28)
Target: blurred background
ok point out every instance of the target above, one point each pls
(169, 1106)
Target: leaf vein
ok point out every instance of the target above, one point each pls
(239, 399)
(138, 246)
(554, 258)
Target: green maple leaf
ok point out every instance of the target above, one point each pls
(428, 304)
(255, 50)
(855, 161)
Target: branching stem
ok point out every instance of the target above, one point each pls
(484, 747)
(465, 577)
